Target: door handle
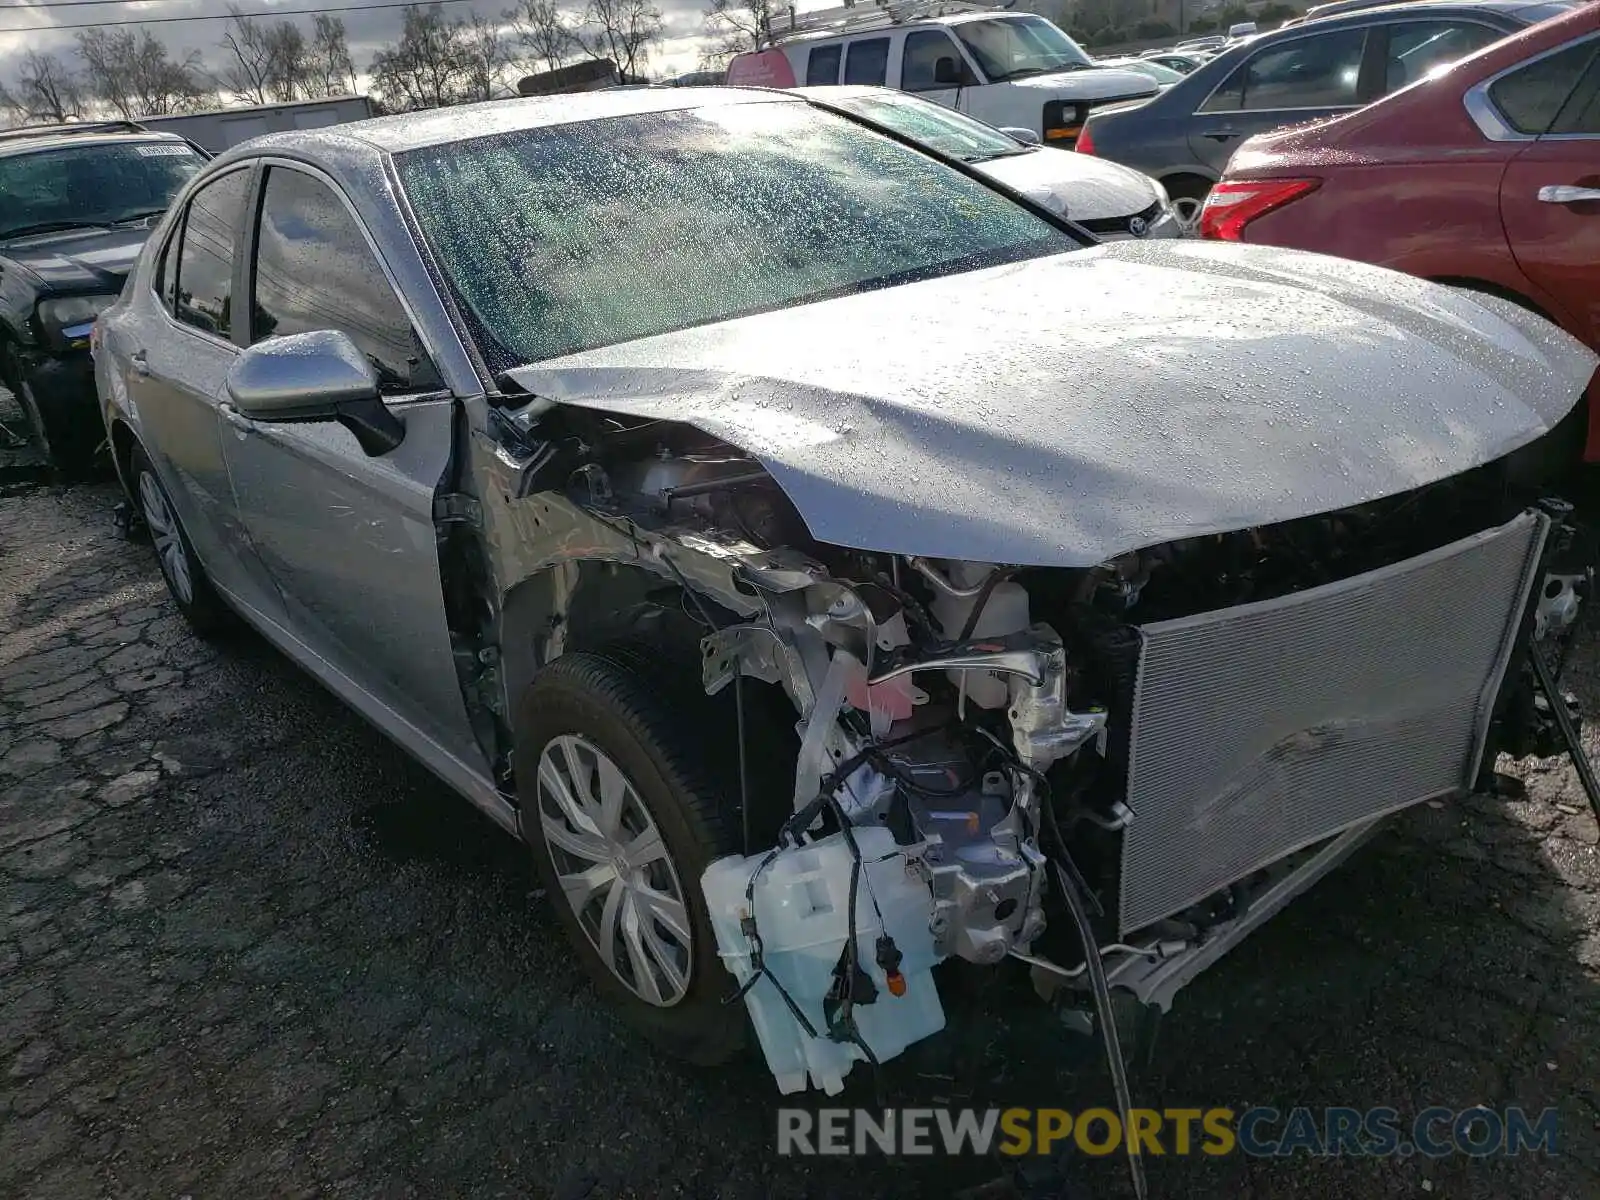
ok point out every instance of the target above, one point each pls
(1220, 135)
(1566, 193)
(140, 362)
(234, 417)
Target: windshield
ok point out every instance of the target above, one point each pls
(933, 125)
(568, 237)
(102, 184)
(1011, 47)
(1534, 13)
(1165, 76)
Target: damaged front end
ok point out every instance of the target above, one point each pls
(1187, 735)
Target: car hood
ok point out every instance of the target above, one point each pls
(1064, 410)
(1077, 185)
(1088, 83)
(79, 260)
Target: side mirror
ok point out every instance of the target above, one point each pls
(947, 72)
(1026, 136)
(318, 376)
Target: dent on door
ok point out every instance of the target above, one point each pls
(351, 541)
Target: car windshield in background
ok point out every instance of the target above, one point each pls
(1534, 13)
(1011, 47)
(935, 126)
(86, 186)
(568, 237)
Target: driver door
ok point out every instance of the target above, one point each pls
(931, 65)
(349, 537)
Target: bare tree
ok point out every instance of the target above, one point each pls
(12, 110)
(252, 58)
(46, 90)
(734, 26)
(135, 76)
(429, 66)
(487, 56)
(287, 63)
(622, 31)
(329, 69)
(545, 32)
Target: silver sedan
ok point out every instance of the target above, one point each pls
(768, 522)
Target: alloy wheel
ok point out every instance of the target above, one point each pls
(1187, 210)
(615, 870)
(163, 528)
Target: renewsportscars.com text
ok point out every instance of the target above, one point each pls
(1259, 1132)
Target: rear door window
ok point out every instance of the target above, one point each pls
(1530, 98)
(1308, 72)
(1418, 47)
(822, 67)
(204, 287)
(1580, 116)
(867, 61)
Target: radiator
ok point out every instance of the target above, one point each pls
(1259, 730)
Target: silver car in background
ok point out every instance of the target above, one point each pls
(1109, 200)
(830, 565)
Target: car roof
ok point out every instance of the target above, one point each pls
(1357, 15)
(852, 91)
(14, 142)
(439, 126)
(782, 39)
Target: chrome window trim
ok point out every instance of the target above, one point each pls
(419, 327)
(174, 240)
(1364, 28)
(1488, 118)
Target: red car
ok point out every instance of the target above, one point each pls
(1486, 175)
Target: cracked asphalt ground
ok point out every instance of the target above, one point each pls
(248, 948)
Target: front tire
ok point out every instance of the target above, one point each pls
(186, 579)
(623, 808)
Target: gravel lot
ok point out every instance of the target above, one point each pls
(248, 948)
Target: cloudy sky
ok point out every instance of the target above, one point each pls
(38, 25)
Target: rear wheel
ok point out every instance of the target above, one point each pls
(625, 802)
(186, 579)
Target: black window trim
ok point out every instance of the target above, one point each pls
(1486, 115)
(838, 63)
(888, 51)
(175, 238)
(248, 259)
(960, 55)
(1369, 59)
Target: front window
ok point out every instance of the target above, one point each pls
(935, 126)
(1013, 47)
(91, 186)
(568, 237)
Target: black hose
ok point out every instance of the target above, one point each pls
(995, 579)
(1108, 1023)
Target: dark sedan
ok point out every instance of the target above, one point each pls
(1184, 136)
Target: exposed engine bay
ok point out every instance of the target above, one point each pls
(989, 758)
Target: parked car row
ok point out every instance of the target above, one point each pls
(1487, 175)
(1185, 136)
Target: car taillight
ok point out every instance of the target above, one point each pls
(1085, 142)
(1233, 204)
